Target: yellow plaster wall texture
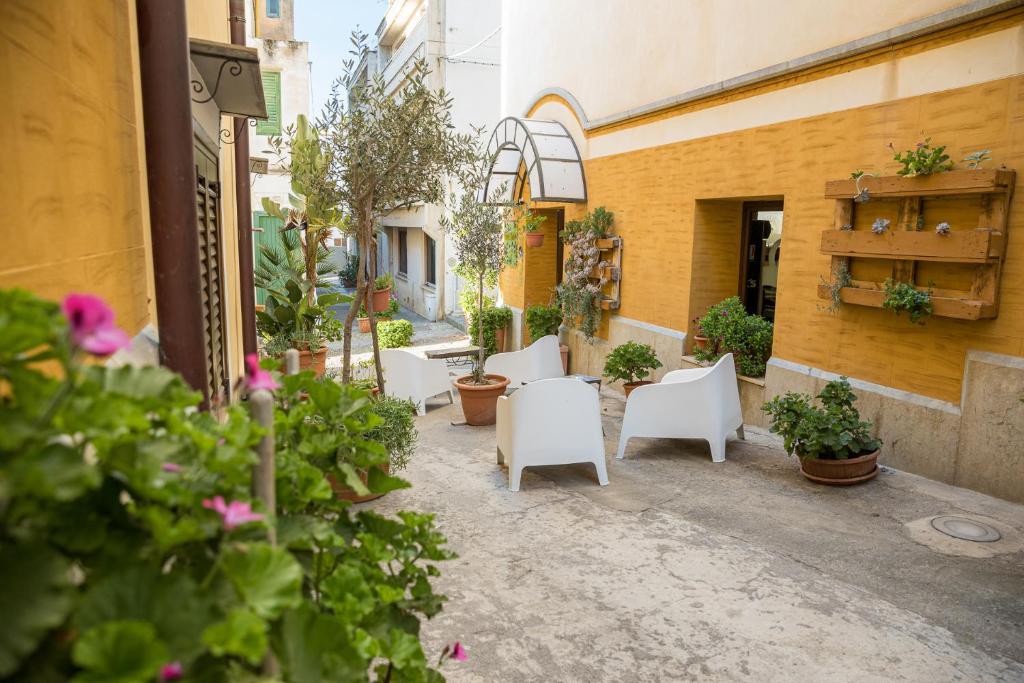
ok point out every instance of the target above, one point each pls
(72, 205)
(654, 192)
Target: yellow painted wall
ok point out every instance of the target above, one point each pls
(654, 193)
(73, 212)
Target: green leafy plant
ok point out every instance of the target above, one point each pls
(903, 296)
(394, 334)
(831, 430)
(290, 320)
(841, 278)
(388, 313)
(348, 273)
(495, 318)
(132, 549)
(543, 320)
(579, 295)
(382, 282)
(631, 362)
(730, 329)
(922, 160)
(397, 432)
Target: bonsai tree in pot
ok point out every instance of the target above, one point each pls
(834, 445)
(290, 320)
(478, 231)
(631, 362)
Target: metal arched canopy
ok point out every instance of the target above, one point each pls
(542, 152)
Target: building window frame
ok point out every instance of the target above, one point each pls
(429, 260)
(273, 8)
(403, 252)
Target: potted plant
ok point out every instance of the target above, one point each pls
(396, 433)
(903, 296)
(382, 292)
(700, 340)
(531, 225)
(291, 321)
(394, 334)
(631, 362)
(579, 294)
(834, 445)
(730, 329)
(478, 231)
(387, 314)
(495, 322)
(543, 320)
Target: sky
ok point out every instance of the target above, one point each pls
(326, 26)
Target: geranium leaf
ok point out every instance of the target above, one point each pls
(268, 579)
(119, 652)
(242, 633)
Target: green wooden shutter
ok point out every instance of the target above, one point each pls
(272, 94)
(267, 233)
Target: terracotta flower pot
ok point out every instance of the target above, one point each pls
(480, 401)
(313, 360)
(535, 239)
(564, 350)
(499, 339)
(700, 342)
(840, 472)
(381, 299)
(364, 325)
(343, 492)
(628, 387)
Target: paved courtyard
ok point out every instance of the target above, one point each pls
(681, 569)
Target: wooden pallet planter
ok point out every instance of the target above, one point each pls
(904, 245)
(611, 273)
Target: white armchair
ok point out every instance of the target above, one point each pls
(702, 403)
(550, 422)
(539, 360)
(409, 376)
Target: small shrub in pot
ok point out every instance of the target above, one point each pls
(631, 362)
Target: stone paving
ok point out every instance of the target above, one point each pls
(682, 569)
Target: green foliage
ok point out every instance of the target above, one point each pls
(397, 431)
(394, 334)
(730, 329)
(114, 567)
(578, 294)
(922, 160)
(631, 362)
(386, 314)
(831, 430)
(290, 320)
(385, 281)
(835, 288)
(349, 272)
(543, 320)
(902, 296)
(495, 318)
(275, 265)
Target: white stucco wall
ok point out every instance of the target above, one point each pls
(615, 56)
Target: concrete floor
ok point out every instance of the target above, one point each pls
(682, 569)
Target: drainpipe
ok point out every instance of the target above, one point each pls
(171, 178)
(243, 202)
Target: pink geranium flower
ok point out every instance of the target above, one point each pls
(171, 467)
(171, 671)
(92, 324)
(256, 377)
(458, 652)
(233, 514)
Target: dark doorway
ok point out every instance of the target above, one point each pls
(559, 247)
(759, 259)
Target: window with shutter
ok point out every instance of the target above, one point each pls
(273, 8)
(210, 275)
(272, 94)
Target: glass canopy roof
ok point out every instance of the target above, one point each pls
(540, 154)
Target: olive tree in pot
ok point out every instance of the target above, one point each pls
(631, 362)
(834, 445)
(478, 230)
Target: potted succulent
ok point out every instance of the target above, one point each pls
(631, 362)
(478, 231)
(543, 320)
(834, 445)
(396, 433)
(290, 320)
(382, 292)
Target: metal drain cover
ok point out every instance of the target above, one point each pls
(966, 529)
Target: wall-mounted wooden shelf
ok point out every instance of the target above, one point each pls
(609, 304)
(968, 246)
(612, 273)
(903, 244)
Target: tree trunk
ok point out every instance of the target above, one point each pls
(480, 330)
(353, 309)
(372, 316)
(309, 249)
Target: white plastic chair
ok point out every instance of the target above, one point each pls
(703, 403)
(539, 360)
(550, 422)
(412, 377)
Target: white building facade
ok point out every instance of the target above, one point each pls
(461, 42)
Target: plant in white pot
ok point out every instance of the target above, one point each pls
(478, 230)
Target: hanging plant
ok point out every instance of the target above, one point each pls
(579, 294)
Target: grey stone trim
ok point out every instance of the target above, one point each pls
(888, 392)
(668, 332)
(990, 358)
(957, 15)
